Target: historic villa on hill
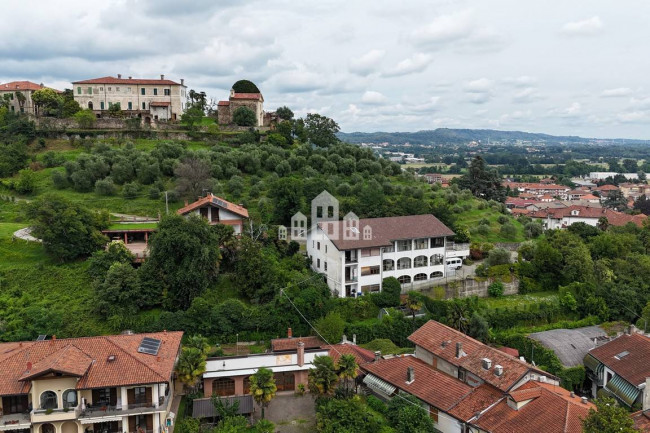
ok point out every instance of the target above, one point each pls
(17, 103)
(150, 99)
(244, 94)
(110, 384)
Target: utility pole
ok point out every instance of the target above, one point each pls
(166, 204)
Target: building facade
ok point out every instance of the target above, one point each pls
(217, 211)
(20, 95)
(357, 254)
(109, 384)
(150, 99)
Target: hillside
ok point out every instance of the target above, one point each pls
(459, 136)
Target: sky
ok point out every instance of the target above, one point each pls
(578, 67)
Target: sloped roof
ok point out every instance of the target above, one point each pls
(23, 85)
(551, 410)
(570, 345)
(387, 230)
(213, 200)
(613, 217)
(127, 81)
(441, 340)
(361, 355)
(430, 385)
(88, 357)
(255, 96)
(481, 397)
(634, 367)
(642, 420)
(223, 103)
(282, 344)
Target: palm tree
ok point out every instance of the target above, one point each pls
(347, 369)
(322, 377)
(414, 304)
(263, 387)
(198, 342)
(191, 366)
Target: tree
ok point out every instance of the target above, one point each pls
(406, 414)
(254, 275)
(191, 366)
(245, 86)
(414, 304)
(642, 204)
(608, 418)
(390, 293)
(21, 98)
(184, 259)
(322, 377)
(192, 116)
(193, 178)
(120, 292)
(615, 200)
(479, 328)
(85, 119)
(630, 165)
(244, 116)
(347, 369)
(484, 183)
(284, 113)
(102, 260)
(13, 157)
(26, 183)
(263, 387)
(115, 110)
(198, 342)
(47, 102)
(334, 415)
(331, 327)
(68, 231)
(321, 130)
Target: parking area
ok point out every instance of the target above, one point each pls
(290, 414)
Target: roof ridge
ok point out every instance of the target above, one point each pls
(107, 337)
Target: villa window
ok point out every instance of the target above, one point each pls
(369, 270)
(404, 279)
(155, 92)
(420, 277)
(70, 398)
(421, 244)
(437, 242)
(404, 245)
(223, 386)
(404, 263)
(144, 105)
(389, 265)
(140, 394)
(167, 92)
(390, 249)
(48, 400)
(142, 91)
(370, 252)
(420, 261)
(436, 259)
(436, 274)
(78, 90)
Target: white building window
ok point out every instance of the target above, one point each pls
(420, 261)
(422, 244)
(404, 245)
(404, 263)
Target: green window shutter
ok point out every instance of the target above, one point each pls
(130, 105)
(78, 90)
(155, 92)
(142, 91)
(90, 90)
(101, 105)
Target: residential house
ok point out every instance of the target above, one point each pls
(642, 420)
(108, 384)
(560, 218)
(217, 211)
(634, 190)
(571, 345)
(252, 101)
(357, 254)
(20, 95)
(605, 190)
(621, 369)
(149, 99)
(538, 189)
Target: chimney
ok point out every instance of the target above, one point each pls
(53, 337)
(162, 76)
(301, 354)
(572, 394)
(130, 77)
(410, 375)
(498, 370)
(182, 81)
(354, 338)
(345, 339)
(289, 333)
(487, 363)
(377, 355)
(459, 349)
(584, 400)
(186, 203)
(119, 76)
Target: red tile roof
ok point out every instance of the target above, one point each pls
(22, 85)
(481, 397)
(510, 351)
(160, 104)
(441, 340)
(255, 96)
(361, 355)
(223, 103)
(88, 357)
(212, 199)
(613, 217)
(606, 188)
(642, 420)
(430, 385)
(387, 230)
(633, 367)
(127, 81)
(548, 412)
(283, 344)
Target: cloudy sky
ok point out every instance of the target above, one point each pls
(578, 67)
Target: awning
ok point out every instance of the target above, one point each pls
(379, 385)
(622, 389)
(99, 419)
(203, 407)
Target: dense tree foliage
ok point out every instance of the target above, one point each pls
(608, 417)
(244, 116)
(482, 181)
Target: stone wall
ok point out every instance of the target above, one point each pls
(463, 288)
(56, 124)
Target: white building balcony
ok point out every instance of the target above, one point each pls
(15, 421)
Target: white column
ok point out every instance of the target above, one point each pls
(125, 424)
(124, 397)
(156, 422)
(154, 395)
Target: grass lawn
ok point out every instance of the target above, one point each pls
(472, 218)
(513, 301)
(132, 226)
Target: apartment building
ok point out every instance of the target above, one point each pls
(108, 384)
(357, 254)
(20, 95)
(150, 99)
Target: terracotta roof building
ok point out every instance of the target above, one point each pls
(251, 101)
(146, 98)
(119, 382)
(621, 368)
(217, 211)
(563, 217)
(20, 95)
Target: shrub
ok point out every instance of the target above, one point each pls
(484, 221)
(508, 230)
(105, 187)
(503, 219)
(85, 119)
(483, 229)
(498, 256)
(26, 182)
(377, 405)
(389, 296)
(244, 116)
(533, 230)
(495, 289)
(53, 159)
(154, 193)
(130, 190)
(59, 180)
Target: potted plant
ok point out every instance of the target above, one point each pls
(48, 411)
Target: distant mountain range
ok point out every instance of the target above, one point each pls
(459, 136)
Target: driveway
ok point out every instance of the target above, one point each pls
(290, 414)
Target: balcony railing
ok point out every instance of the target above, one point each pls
(349, 279)
(14, 421)
(351, 259)
(451, 246)
(108, 410)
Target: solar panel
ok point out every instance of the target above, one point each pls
(41, 337)
(150, 346)
(220, 203)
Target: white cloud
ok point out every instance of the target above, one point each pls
(586, 27)
(573, 110)
(373, 98)
(482, 85)
(521, 81)
(634, 116)
(414, 64)
(529, 94)
(368, 63)
(617, 92)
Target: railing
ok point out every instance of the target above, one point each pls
(351, 279)
(351, 259)
(108, 410)
(456, 247)
(14, 418)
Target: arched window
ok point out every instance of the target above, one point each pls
(224, 386)
(436, 274)
(420, 261)
(420, 277)
(90, 105)
(389, 265)
(404, 263)
(404, 279)
(436, 259)
(48, 400)
(47, 428)
(70, 398)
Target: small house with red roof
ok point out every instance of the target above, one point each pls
(217, 211)
(242, 94)
(147, 98)
(20, 95)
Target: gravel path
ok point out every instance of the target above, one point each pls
(26, 235)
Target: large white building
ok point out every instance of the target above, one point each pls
(357, 254)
